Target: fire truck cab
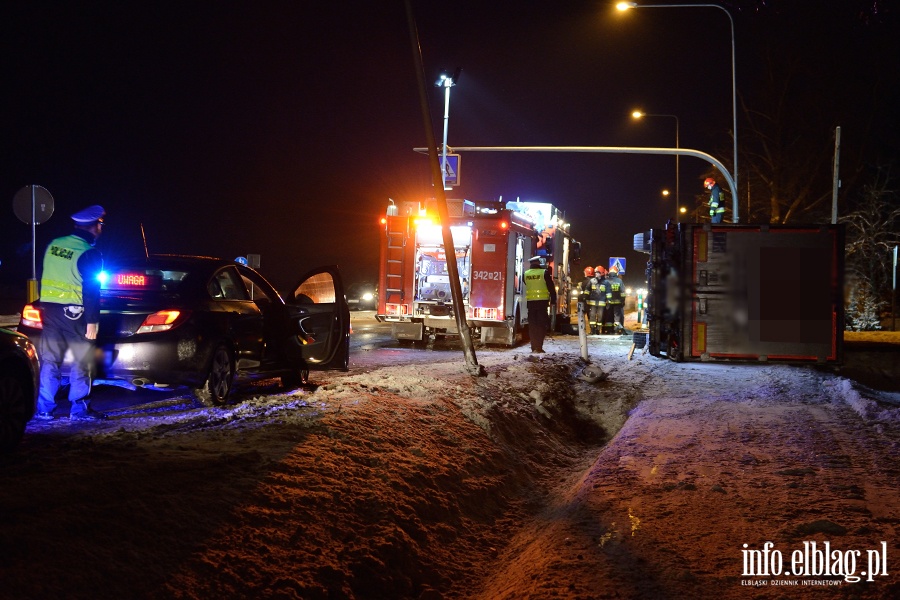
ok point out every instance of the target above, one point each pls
(493, 243)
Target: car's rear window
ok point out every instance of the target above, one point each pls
(142, 280)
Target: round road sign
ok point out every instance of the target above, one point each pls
(33, 200)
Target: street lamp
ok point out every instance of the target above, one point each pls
(623, 6)
(637, 115)
(446, 81)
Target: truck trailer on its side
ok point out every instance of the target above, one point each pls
(745, 292)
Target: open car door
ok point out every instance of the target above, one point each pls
(318, 307)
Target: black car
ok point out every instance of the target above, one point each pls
(362, 296)
(19, 381)
(206, 322)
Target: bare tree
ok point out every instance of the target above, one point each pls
(797, 90)
(873, 229)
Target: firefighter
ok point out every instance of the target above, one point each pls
(540, 293)
(584, 291)
(716, 206)
(597, 300)
(615, 300)
(584, 287)
(70, 311)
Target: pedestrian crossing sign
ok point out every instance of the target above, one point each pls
(618, 262)
(450, 170)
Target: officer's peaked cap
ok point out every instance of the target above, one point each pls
(89, 214)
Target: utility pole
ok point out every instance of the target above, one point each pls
(437, 178)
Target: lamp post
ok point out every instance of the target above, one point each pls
(446, 81)
(638, 115)
(623, 6)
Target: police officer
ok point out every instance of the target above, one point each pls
(539, 293)
(716, 206)
(70, 312)
(615, 299)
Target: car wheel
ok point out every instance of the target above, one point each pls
(220, 378)
(295, 378)
(16, 407)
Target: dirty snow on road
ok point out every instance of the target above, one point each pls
(419, 481)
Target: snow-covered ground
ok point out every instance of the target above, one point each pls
(419, 481)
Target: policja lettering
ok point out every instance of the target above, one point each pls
(533, 277)
(65, 253)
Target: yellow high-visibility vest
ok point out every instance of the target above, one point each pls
(535, 286)
(61, 280)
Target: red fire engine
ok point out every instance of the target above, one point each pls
(493, 242)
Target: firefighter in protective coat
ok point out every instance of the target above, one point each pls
(716, 206)
(615, 300)
(584, 287)
(596, 300)
(584, 292)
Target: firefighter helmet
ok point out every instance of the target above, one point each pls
(614, 270)
(589, 271)
(709, 182)
(599, 270)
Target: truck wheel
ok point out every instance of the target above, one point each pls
(673, 350)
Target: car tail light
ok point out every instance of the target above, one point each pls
(162, 320)
(31, 317)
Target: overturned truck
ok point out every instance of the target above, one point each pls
(744, 292)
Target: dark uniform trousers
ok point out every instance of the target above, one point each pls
(61, 333)
(538, 322)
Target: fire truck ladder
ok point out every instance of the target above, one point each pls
(396, 243)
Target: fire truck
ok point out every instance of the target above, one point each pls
(732, 292)
(493, 242)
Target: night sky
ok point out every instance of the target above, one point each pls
(282, 128)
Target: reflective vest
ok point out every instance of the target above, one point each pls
(585, 289)
(535, 286)
(715, 201)
(61, 280)
(615, 290)
(596, 294)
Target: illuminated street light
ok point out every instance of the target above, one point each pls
(446, 81)
(637, 115)
(623, 6)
